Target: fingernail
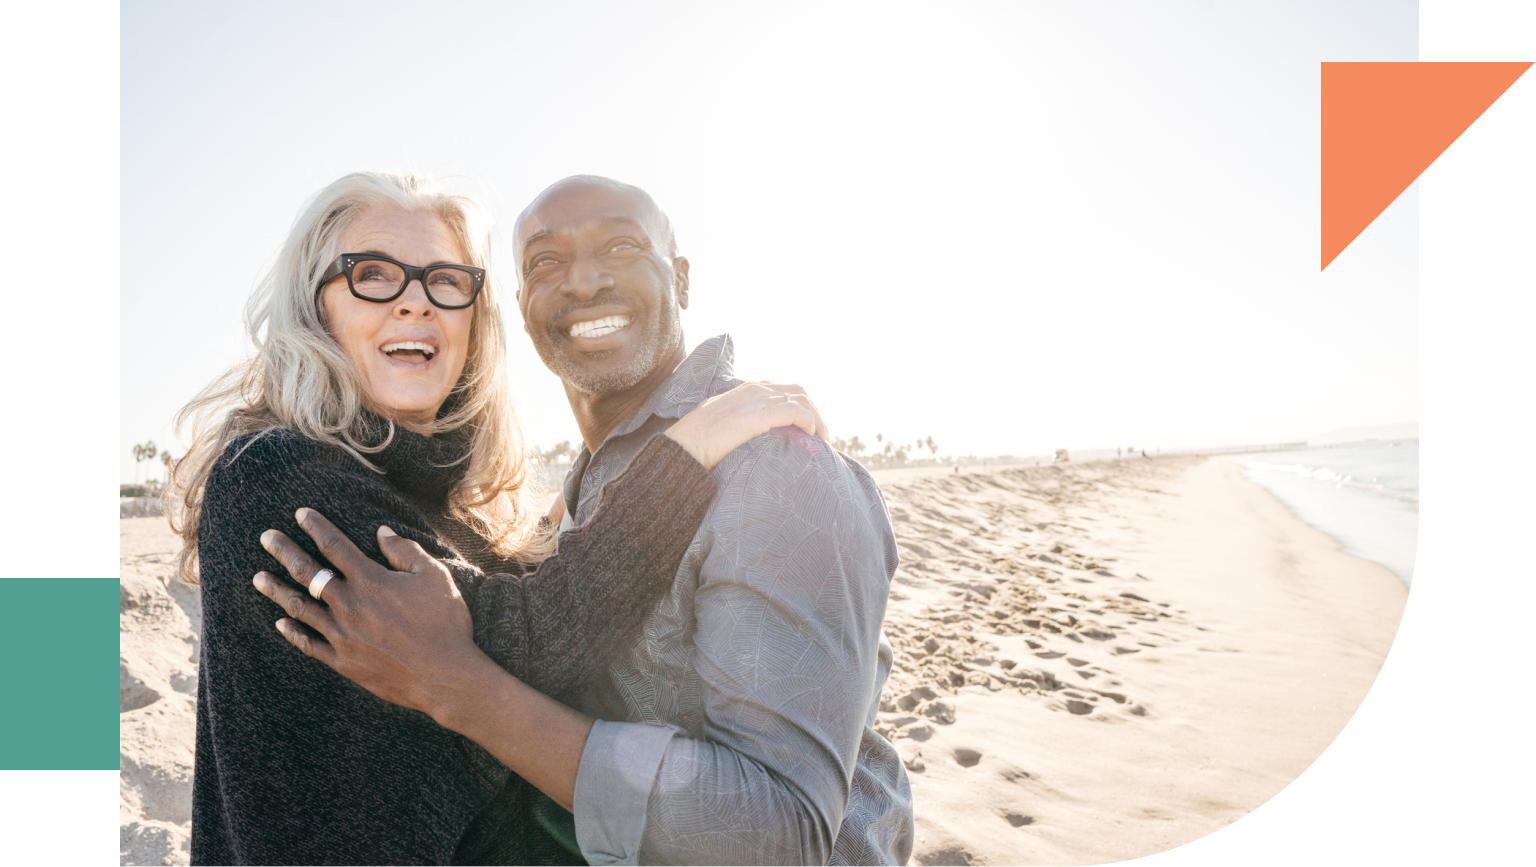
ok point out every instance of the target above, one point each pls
(385, 531)
(282, 626)
(266, 539)
(260, 581)
(301, 515)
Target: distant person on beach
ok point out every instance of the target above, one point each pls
(737, 728)
(378, 394)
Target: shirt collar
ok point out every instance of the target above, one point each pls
(708, 370)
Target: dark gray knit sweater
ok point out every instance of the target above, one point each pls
(298, 765)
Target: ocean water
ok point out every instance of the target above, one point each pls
(1365, 495)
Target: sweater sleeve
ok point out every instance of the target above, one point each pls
(553, 627)
(294, 763)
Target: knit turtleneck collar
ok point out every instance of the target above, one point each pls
(423, 467)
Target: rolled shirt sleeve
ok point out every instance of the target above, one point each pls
(613, 782)
(793, 569)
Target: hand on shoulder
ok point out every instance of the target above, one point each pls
(716, 427)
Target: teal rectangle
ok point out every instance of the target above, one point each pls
(59, 732)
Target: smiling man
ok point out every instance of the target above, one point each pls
(738, 727)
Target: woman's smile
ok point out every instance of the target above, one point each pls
(411, 353)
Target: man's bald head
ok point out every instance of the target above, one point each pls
(658, 223)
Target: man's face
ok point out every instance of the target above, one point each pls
(600, 296)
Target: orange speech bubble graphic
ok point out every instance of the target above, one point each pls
(1389, 123)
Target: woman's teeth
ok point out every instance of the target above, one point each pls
(425, 349)
(599, 327)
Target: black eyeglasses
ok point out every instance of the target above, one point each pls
(380, 278)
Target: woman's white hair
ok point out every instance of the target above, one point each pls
(301, 379)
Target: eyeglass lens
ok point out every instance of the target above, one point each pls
(374, 278)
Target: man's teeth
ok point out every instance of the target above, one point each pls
(599, 327)
(425, 349)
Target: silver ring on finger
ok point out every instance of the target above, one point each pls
(317, 584)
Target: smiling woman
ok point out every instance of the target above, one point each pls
(408, 343)
(321, 369)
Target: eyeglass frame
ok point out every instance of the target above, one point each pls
(343, 265)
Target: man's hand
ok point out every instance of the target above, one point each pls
(405, 635)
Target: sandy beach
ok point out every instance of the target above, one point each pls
(1124, 656)
(1094, 661)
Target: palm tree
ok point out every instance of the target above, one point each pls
(561, 453)
(145, 452)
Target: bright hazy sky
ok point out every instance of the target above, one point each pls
(1012, 228)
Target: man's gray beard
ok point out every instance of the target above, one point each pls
(657, 347)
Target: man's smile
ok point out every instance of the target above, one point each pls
(598, 327)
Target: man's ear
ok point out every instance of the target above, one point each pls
(680, 268)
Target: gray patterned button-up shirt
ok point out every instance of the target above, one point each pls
(737, 729)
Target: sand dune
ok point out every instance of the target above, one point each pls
(1093, 661)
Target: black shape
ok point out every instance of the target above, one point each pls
(33, 838)
(57, 394)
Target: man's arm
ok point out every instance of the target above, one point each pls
(795, 574)
(406, 637)
(554, 627)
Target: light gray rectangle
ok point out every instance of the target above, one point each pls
(1481, 757)
(80, 217)
(1483, 17)
(1479, 265)
(60, 111)
(1481, 480)
(59, 17)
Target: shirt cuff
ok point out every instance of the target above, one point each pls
(613, 785)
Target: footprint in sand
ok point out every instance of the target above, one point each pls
(915, 764)
(967, 758)
(1017, 820)
(941, 712)
(916, 697)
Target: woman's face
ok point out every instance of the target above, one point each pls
(402, 382)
